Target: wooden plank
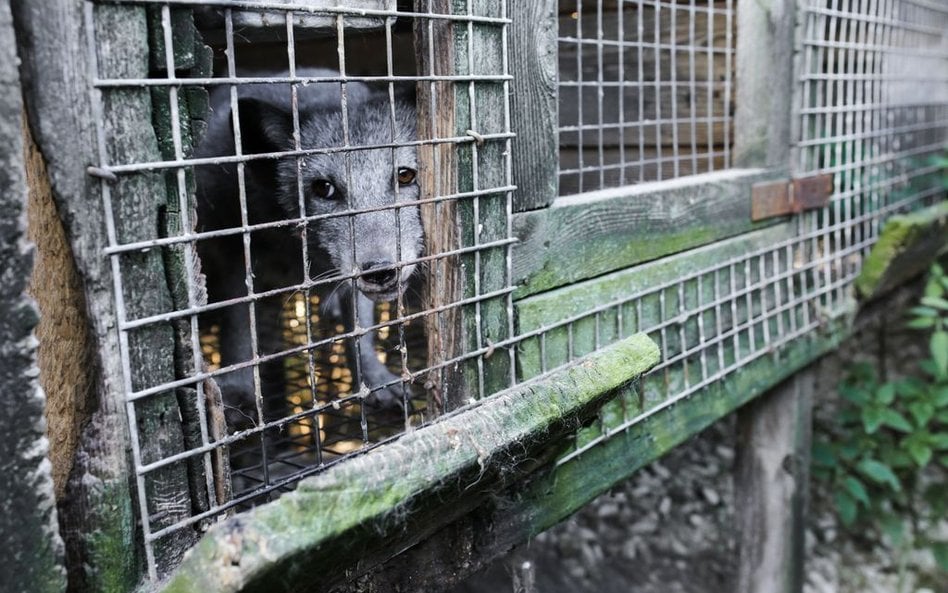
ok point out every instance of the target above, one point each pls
(484, 219)
(629, 302)
(764, 83)
(52, 48)
(585, 236)
(771, 483)
(908, 245)
(522, 511)
(533, 102)
(347, 519)
(191, 58)
(138, 203)
(436, 47)
(264, 24)
(32, 550)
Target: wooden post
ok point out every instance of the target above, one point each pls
(764, 83)
(536, 155)
(771, 480)
(53, 50)
(435, 47)
(31, 551)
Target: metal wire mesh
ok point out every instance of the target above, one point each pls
(645, 95)
(645, 91)
(871, 105)
(279, 373)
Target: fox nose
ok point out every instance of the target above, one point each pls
(379, 274)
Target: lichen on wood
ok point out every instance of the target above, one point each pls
(357, 512)
(909, 243)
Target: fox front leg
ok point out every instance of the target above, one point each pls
(386, 387)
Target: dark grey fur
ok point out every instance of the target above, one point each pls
(364, 179)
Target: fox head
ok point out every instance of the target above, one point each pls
(360, 188)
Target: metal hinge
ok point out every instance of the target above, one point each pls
(790, 196)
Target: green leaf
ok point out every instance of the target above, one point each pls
(854, 394)
(823, 454)
(933, 288)
(846, 507)
(910, 387)
(921, 323)
(898, 459)
(872, 418)
(857, 490)
(938, 441)
(922, 412)
(893, 419)
(939, 350)
(934, 495)
(940, 552)
(928, 365)
(940, 396)
(920, 452)
(886, 393)
(849, 451)
(879, 473)
(924, 312)
(935, 302)
(894, 527)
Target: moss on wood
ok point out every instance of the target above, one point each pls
(311, 537)
(908, 245)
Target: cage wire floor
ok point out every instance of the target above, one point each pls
(328, 421)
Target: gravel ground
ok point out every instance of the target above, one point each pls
(669, 529)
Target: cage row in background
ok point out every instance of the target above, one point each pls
(645, 91)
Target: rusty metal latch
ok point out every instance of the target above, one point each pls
(790, 196)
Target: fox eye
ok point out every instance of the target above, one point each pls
(405, 175)
(323, 188)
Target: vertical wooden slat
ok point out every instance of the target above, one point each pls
(764, 82)
(435, 51)
(52, 48)
(30, 547)
(139, 203)
(771, 481)
(533, 64)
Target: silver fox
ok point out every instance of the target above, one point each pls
(377, 243)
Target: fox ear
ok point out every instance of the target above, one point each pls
(264, 127)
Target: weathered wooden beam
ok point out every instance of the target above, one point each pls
(309, 15)
(908, 245)
(533, 102)
(522, 511)
(343, 522)
(139, 204)
(482, 107)
(31, 550)
(771, 482)
(436, 48)
(764, 83)
(550, 309)
(96, 511)
(585, 236)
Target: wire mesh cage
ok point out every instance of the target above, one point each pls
(644, 91)
(309, 212)
(283, 156)
(762, 296)
(872, 102)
